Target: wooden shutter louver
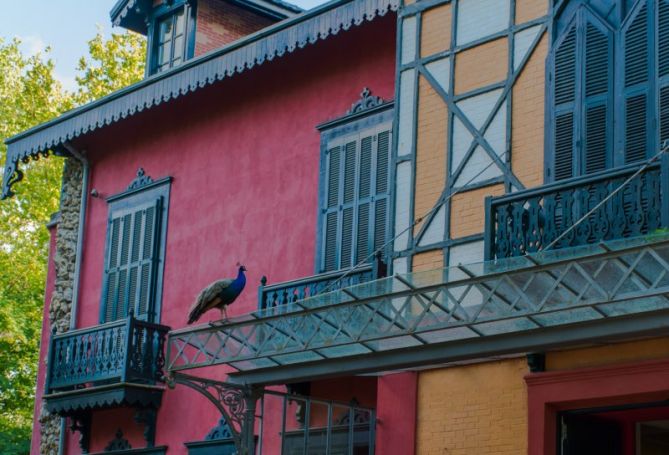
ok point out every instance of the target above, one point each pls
(330, 250)
(132, 261)
(381, 209)
(637, 90)
(564, 95)
(598, 67)
(355, 212)
(663, 38)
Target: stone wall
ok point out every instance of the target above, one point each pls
(60, 307)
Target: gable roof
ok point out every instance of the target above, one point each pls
(272, 42)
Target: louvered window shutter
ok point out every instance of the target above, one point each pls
(597, 116)
(663, 69)
(132, 260)
(564, 100)
(636, 92)
(355, 212)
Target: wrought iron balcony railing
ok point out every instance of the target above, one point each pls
(530, 221)
(123, 351)
(280, 294)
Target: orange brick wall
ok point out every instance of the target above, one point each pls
(473, 409)
(482, 65)
(467, 210)
(430, 149)
(527, 151)
(429, 260)
(526, 10)
(220, 23)
(436, 32)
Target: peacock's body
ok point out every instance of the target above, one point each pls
(218, 294)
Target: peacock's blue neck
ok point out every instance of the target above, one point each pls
(240, 281)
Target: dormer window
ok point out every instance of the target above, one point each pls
(172, 33)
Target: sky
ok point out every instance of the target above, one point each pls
(65, 26)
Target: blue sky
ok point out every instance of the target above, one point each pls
(65, 26)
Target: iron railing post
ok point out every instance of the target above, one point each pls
(50, 361)
(664, 190)
(489, 228)
(127, 347)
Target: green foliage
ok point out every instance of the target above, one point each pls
(30, 95)
(111, 65)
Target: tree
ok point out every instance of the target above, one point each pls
(111, 65)
(30, 95)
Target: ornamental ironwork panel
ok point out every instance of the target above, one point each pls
(530, 221)
(127, 350)
(550, 289)
(277, 295)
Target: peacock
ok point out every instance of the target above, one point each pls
(218, 294)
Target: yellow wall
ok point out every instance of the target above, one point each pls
(473, 409)
(468, 210)
(436, 33)
(635, 351)
(430, 149)
(429, 260)
(528, 108)
(481, 65)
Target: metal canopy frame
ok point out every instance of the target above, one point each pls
(612, 289)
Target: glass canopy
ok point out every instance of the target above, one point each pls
(439, 307)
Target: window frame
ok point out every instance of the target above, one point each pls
(130, 200)
(159, 14)
(371, 121)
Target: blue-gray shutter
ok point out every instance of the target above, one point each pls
(564, 104)
(332, 209)
(597, 105)
(132, 261)
(356, 217)
(636, 91)
(663, 69)
(381, 196)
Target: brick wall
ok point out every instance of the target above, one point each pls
(220, 23)
(473, 409)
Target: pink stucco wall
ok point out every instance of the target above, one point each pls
(244, 155)
(44, 345)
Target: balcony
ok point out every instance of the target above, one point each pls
(114, 364)
(534, 220)
(571, 296)
(277, 295)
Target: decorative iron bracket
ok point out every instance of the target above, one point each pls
(82, 423)
(236, 403)
(148, 416)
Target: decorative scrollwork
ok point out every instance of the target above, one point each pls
(141, 180)
(366, 101)
(231, 400)
(220, 431)
(12, 176)
(118, 443)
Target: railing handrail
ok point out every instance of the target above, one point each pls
(85, 330)
(568, 183)
(315, 278)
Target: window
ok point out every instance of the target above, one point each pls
(172, 37)
(607, 93)
(354, 196)
(134, 253)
